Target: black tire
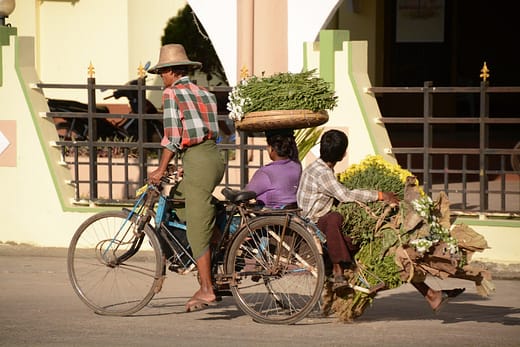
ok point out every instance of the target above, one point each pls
(119, 282)
(275, 282)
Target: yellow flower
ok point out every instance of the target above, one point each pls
(373, 172)
(375, 161)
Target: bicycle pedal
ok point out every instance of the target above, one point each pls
(369, 290)
(221, 287)
(176, 268)
(220, 293)
(181, 269)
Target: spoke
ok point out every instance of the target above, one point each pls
(300, 259)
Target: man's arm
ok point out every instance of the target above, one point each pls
(341, 193)
(156, 175)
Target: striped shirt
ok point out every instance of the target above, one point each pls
(319, 187)
(189, 116)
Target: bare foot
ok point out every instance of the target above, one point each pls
(434, 299)
(442, 297)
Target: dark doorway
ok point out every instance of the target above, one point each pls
(474, 32)
(451, 52)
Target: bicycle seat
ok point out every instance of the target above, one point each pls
(238, 195)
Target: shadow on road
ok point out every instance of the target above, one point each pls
(466, 308)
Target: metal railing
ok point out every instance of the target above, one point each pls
(91, 147)
(108, 171)
(472, 157)
(478, 178)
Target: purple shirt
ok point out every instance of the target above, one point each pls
(276, 183)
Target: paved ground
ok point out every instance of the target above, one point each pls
(39, 308)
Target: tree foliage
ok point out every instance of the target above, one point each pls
(186, 29)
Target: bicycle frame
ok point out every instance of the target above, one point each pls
(163, 220)
(270, 264)
(136, 210)
(148, 197)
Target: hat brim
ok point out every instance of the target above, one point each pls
(194, 64)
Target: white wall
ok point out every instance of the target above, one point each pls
(219, 18)
(116, 36)
(502, 241)
(306, 19)
(31, 209)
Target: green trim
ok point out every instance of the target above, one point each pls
(361, 103)
(65, 197)
(50, 164)
(5, 33)
(490, 222)
(94, 209)
(330, 42)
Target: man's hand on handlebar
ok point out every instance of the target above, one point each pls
(155, 176)
(158, 175)
(390, 198)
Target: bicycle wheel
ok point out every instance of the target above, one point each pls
(278, 272)
(114, 268)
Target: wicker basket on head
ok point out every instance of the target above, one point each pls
(281, 119)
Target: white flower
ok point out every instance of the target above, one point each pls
(237, 102)
(425, 207)
(421, 245)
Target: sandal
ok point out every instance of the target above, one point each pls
(452, 293)
(195, 304)
(447, 295)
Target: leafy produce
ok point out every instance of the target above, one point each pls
(282, 91)
(402, 243)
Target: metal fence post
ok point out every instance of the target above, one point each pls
(141, 97)
(244, 164)
(427, 134)
(484, 142)
(92, 136)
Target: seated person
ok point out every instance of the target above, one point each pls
(318, 191)
(276, 183)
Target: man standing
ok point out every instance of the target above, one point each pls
(190, 130)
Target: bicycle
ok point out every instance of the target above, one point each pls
(272, 264)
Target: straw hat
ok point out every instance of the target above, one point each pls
(173, 55)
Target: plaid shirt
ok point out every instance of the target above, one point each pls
(319, 187)
(189, 116)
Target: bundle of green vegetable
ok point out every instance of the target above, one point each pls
(364, 224)
(418, 230)
(283, 91)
